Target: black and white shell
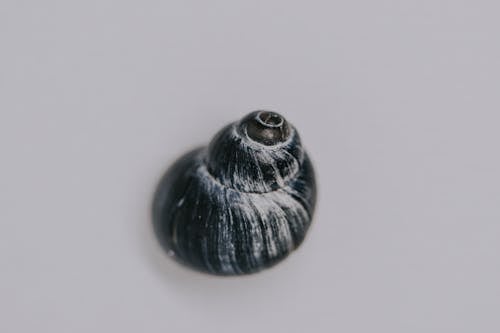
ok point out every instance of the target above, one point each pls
(241, 204)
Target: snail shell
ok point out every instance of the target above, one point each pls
(241, 204)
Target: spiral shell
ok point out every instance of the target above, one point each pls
(241, 204)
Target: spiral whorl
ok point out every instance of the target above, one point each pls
(241, 204)
(253, 155)
(265, 127)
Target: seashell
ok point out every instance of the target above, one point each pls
(241, 204)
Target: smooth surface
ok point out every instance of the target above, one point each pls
(397, 102)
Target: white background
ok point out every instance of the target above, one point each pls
(397, 102)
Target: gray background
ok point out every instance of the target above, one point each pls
(396, 101)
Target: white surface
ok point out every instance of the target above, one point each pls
(396, 101)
